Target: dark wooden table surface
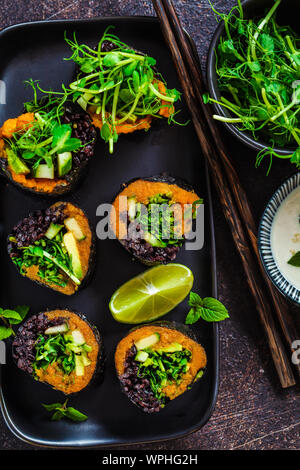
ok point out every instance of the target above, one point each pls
(252, 411)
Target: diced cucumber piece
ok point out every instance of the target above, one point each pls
(16, 163)
(53, 330)
(64, 163)
(131, 207)
(78, 337)
(43, 171)
(147, 342)
(79, 367)
(74, 227)
(152, 240)
(72, 249)
(141, 356)
(85, 360)
(53, 230)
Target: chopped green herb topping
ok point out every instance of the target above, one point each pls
(54, 349)
(162, 368)
(159, 221)
(44, 138)
(51, 266)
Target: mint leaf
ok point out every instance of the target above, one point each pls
(12, 317)
(57, 416)
(209, 309)
(52, 406)
(193, 316)
(22, 310)
(295, 260)
(5, 332)
(75, 415)
(62, 411)
(214, 309)
(11, 314)
(195, 300)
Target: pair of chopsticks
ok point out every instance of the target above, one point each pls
(232, 196)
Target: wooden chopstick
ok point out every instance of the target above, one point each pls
(278, 353)
(240, 196)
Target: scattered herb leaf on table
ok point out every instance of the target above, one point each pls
(209, 309)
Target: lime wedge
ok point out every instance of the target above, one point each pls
(152, 294)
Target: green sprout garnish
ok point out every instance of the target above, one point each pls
(258, 73)
(46, 137)
(120, 86)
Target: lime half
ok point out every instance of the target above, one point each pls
(152, 294)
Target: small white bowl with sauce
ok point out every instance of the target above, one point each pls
(279, 238)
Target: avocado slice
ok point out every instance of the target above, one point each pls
(17, 165)
(79, 367)
(74, 227)
(54, 330)
(72, 249)
(173, 347)
(85, 360)
(78, 337)
(131, 207)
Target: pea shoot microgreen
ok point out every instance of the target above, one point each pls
(43, 139)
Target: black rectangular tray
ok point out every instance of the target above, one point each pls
(36, 50)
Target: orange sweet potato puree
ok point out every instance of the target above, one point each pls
(24, 121)
(143, 190)
(166, 111)
(167, 337)
(84, 247)
(53, 375)
(126, 127)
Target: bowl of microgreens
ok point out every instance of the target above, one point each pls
(253, 76)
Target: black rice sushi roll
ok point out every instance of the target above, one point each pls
(60, 348)
(172, 199)
(46, 150)
(119, 87)
(156, 363)
(54, 247)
